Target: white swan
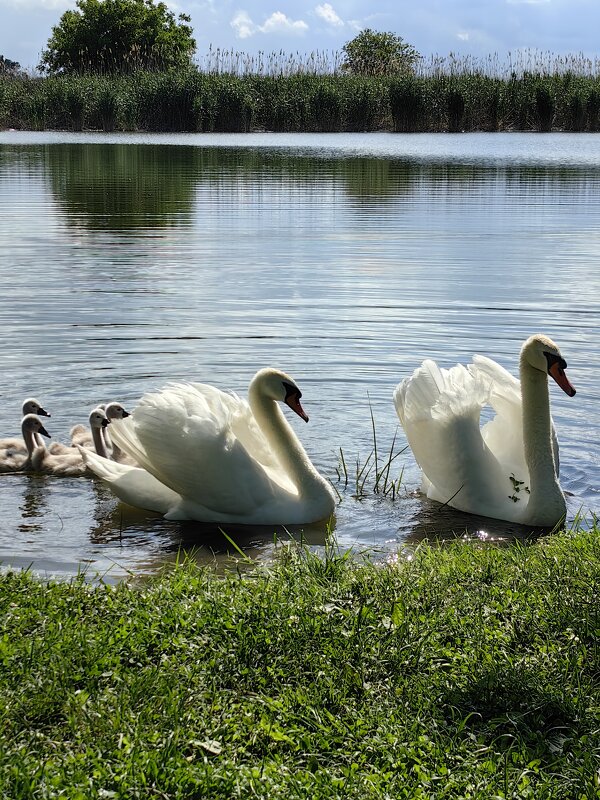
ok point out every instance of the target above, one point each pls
(15, 446)
(31, 428)
(508, 469)
(211, 456)
(69, 461)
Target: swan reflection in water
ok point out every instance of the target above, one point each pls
(166, 542)
(438, 524)
(34, 505)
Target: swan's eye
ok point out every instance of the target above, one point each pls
(553, 359)
(291, 391)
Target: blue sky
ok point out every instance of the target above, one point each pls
(464, 27)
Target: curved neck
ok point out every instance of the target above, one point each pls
(98, 440)
(31, 440)
(284, 443)
(537, 439)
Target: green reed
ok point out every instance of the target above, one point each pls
(373, 475)
(230, 91)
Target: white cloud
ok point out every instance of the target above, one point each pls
(278, 22)
(243, 25)
(45, 5)
(327, 13)
(463, 36)
(356, 24)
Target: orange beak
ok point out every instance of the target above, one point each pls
(293, 401)
(560, 377)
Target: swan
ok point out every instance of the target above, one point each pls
(113, 411)
(508, 469)
(211, 456)
(31, 428)
(69, 462)
(14, 445)
(81, 435)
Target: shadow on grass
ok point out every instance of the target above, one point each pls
(504, 707)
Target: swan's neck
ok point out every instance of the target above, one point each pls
(545, 493)
(31, 441)
(108, 444)
(98, 440)
(286, 445)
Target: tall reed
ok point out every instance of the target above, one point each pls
(232, 91)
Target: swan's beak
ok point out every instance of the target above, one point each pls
(42, 413)
(293, 401)
(558, 373)
(43, 431)
(105, 422)
(126, 414)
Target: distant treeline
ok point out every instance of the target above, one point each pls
(197, 101)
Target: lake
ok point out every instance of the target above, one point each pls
(128, 261)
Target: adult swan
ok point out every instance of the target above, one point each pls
(508, 469)
(211, 456)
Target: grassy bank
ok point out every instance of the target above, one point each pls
(204, 102)
(466, 672)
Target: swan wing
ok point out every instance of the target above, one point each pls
(132, 485)
(185, 436)
(242, 422)
(80, 435)
(11, 446)
(503, 434)
(440, 411)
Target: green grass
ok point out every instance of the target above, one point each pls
(463, 672)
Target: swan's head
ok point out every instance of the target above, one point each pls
(278, 386)
(541, 353)
(115, 411)
(31, 423)
(98, 418)
(32, 406)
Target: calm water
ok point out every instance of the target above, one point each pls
(129, 261)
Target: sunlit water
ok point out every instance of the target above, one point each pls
(129, 261)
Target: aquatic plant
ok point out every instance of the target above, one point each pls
(231, 91)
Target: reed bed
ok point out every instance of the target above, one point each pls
(229, 91)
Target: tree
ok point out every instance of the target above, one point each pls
(8, 67)
(118, 36)
(377, 53)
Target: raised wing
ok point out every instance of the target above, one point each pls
(185, 435)
(440, 411)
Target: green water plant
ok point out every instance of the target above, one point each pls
(373, 476)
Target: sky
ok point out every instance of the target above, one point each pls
(474, 28)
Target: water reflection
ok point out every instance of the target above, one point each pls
(117, 187)
(117, 522)
(34, 506)
(120, 187)
(435, 523)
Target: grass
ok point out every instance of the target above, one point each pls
(463, 672)
(374, 474)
